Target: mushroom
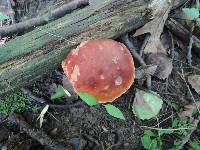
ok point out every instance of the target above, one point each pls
(103, 68)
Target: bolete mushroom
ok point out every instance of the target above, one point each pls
(103, 68)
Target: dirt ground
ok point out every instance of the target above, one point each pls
(77, 126)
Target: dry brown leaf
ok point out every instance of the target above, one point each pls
(163, 62)
(194, 81)
(188, 111)
(155, 27)
(143, 72)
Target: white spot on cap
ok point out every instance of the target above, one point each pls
(101, 47)
(122, 48)
(75, 73)
(106, 87)
(118, 81)
(115, 59)
(75, 51)
(102, 77)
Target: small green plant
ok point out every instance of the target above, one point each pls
(192, 13)
(195, 145)
(153, 140)
(14, 103)
(92, 101)
(3, 16)
(60, 92)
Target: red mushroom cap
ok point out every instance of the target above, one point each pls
(103, 68)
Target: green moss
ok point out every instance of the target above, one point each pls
(15, 103)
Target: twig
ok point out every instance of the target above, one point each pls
(41, 101)
(36, 134)
(92, 139)
(189, 54)
(162, 129)
(172, 46)
(44, 19)
(135, 54)
(197, 4)
(163, 120)
(132, 49)
(187, 137)
(166, 85)
(32, 97)
(196, 121)
(183, 77)
(196, 68)
(146, 40)
(67, 106)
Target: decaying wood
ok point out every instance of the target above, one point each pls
(41, 20)
(27, 58)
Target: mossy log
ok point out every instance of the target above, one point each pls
(27, 58)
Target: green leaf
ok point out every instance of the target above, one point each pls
(162, 132)
(149, 133)
(41, 116)
(3, 16)
(175, 123)
(191, 13)
(147, 139)
(146, 105)
(195, 145)
(60, 92)
(88, 98)
(114, 111)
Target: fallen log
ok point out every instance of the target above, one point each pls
(27, 58)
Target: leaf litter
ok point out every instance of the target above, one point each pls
(155, 50)
(155, 27)
(194, 81)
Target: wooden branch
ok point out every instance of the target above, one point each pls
(41, 20)
(36, 134)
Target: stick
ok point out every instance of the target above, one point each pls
(38, 21)
(189, 54)
(133, 51)
(36, 134)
